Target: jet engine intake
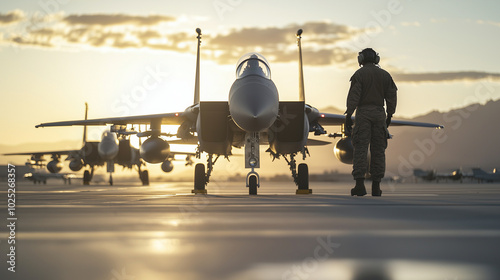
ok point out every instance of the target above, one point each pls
(344, 151)
(167, 166)
(76, 165)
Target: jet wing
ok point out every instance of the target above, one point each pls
(166, 118)
(190, 141)
(418, 124)
(331, 119)
(336, 119)
(182, 153)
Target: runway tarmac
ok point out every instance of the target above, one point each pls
(414, 231)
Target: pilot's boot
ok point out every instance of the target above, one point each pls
(376, 191)
(359, 189)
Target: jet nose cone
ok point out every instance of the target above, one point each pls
(258, 116)
(256, 108)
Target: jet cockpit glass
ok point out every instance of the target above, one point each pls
(253, 64)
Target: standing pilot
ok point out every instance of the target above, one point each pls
(370, 87)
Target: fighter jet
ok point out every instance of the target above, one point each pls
(114, 148)
(482, 175)
(252, 116)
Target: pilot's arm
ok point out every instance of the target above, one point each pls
(391, 97)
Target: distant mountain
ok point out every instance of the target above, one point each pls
(470, 139)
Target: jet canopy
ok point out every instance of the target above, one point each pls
(253, 64)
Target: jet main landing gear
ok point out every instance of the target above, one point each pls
(144, 176)
(201, 178)
(87, 176)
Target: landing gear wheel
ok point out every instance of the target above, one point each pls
(303, 179)
(199, 179)
(86, 177)
(145, 178)
(110, 179)
(252, 185)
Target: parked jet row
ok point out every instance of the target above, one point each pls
(114, 148)
(432, 175)
(42, 177)
(484, 176)
(457, 175)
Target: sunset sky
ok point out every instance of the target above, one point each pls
(138, 57)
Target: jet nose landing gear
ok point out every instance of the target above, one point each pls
(252, 161)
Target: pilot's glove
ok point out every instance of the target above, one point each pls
(388, 120)
(348, 125)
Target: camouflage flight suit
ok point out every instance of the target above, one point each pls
(370, 87)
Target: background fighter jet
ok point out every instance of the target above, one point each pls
(432, 175)
(40, 177)
(109, 150)
(252, 116)
(424, 175)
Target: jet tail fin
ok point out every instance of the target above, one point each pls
(302, 95)
(85, 127)
(197, 78)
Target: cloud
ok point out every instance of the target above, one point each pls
(121, 31)
(316, 32)
(414, 23)
(323, 42)
(438, 20)
(493, 23)
(11, 17)
(445, 76)
(116, 19)
(93, 30)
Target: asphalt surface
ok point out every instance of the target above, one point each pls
(127, 231)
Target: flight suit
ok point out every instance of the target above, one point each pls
(371, 87)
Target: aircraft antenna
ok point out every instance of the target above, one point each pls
(197, 79)
(302, 94)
